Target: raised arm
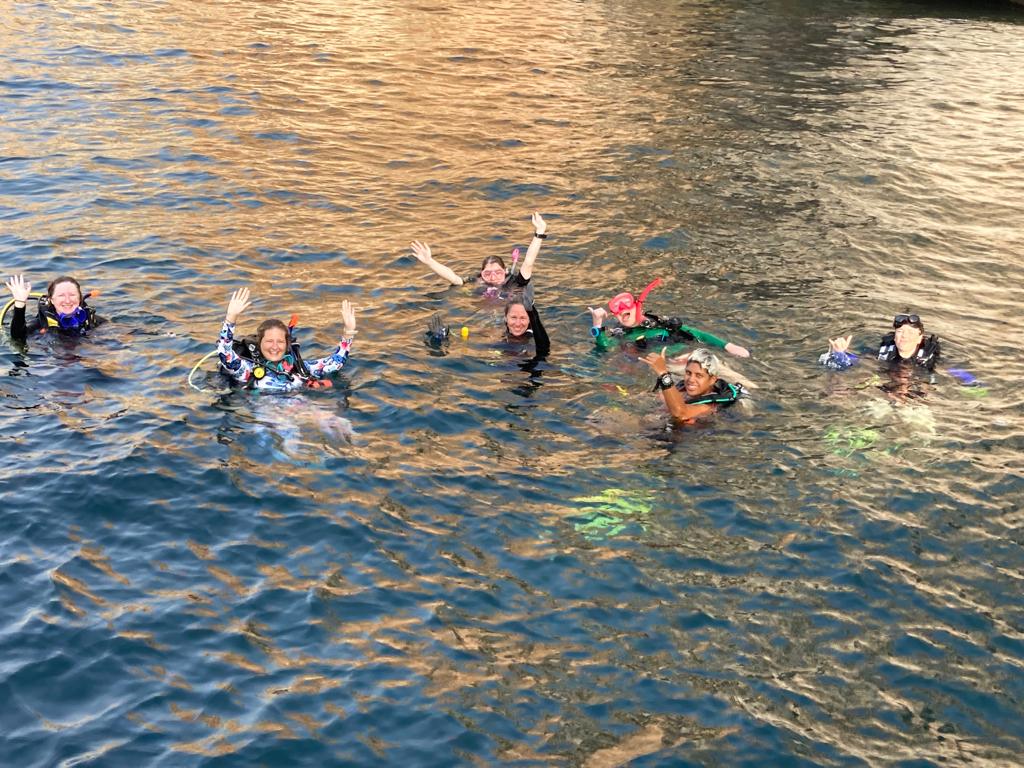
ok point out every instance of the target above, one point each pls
(333, 363)
(540, 229)
(839, 357)
(235, 366)
(20, 291)
(422, 253)
(677, 406)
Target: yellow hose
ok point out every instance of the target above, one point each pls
(195, 368)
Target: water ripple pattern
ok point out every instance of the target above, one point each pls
(449, 560)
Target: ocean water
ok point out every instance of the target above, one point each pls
(447, 559)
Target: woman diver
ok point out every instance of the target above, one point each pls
(644, 329)
(522, 323)
(494, 279)
(62, 308)
(272, 362)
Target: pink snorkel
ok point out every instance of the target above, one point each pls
(624, 302)
(515, 259)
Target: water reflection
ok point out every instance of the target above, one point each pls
(468, 557)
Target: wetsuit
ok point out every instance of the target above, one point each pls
(47, 319)
(655, 332)
(925, 356)
(515, 287)
(537, 332)
(283, 376)
(722, 394)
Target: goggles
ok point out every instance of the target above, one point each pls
(72, 320)
(624, 302)
(901, 320)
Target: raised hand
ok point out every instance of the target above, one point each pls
(839, 343)
(657, 361)
(238, 304)
(539, 225)
(421, 251)
(597, 316)
(348, 318)
(19, 289)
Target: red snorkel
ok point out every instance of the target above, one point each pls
(624, 302)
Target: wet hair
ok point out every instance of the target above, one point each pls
(706, 360)
(265, 326)
(492, 260)
(518, 303)
(64, 279)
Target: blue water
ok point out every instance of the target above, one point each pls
(447, 560)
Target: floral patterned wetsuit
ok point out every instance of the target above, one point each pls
(279, 377)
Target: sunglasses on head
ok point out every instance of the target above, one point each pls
(901, 320)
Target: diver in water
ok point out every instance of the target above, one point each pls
(700, 393)
(62, 309)
(272, 362)
(522, 324)
(644, 329)
(493, 280)
(905, 345)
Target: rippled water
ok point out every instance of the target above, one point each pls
(503, 568)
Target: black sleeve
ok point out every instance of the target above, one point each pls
(517, 281)
(19, 331)
(540, 336)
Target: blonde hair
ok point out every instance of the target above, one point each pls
(707, 360)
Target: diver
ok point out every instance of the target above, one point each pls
(700, 393)
(272, 362)
(494, 280)
(523, 324)
(644, 329)
(905, 345)
(62, 309)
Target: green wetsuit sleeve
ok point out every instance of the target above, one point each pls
(603, 341)
(704, 337)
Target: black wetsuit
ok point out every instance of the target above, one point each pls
(722, 394)
(46, 319)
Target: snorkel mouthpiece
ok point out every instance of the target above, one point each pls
(73, 319)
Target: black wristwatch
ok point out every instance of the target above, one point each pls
(665, 381)
(542, 236)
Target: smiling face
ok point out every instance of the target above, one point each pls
(492, 271)
(65, 297)
(517, 320)
(697, 381)
(274, 344)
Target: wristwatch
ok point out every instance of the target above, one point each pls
(665, 381)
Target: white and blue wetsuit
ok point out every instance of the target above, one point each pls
(280, 377)
(925, 356)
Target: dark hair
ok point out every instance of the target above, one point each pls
(514, 302)
(266, 325)
(64, 279)
(492, 260)
(521, 303)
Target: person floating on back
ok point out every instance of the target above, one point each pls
(272, 362)
(644, 329)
